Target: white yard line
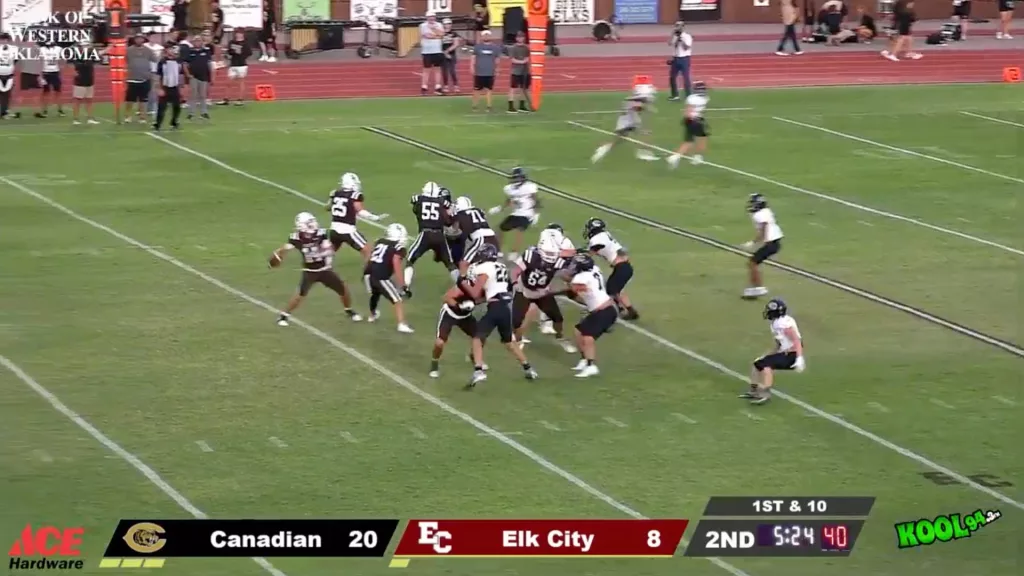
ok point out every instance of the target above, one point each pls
(821, 196)
(484, 429)
(102, 438)
(900, 150)
(991, 119)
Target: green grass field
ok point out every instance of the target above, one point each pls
(172, 352)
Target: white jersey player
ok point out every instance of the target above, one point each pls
(768, 242)
(630, 122)
(695, 127)
(603, 244)
(589, 286)
(788, 353)
(521, 200)
(488, 280)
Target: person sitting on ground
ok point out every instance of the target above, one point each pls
(866, 28)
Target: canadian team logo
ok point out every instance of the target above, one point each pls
(48, 548)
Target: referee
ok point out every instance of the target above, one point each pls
(170, 76)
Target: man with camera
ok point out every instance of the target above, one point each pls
(682, 47)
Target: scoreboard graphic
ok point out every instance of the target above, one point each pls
(731, 526)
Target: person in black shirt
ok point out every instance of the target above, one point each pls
(200, 69)
(268, 36)
(82, 91)
(431, 212)
(237, 54)
(903, 18)
(217, 22)
(180, 12)
(450, 44)
(385, 262)
(866, 28)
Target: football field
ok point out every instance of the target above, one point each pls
(144, 377)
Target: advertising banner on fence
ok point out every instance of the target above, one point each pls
(372, 11)
(242, 13)
(161, 8)
(20, 13)
(94, 6)
(496, 10)
(637, 11)
(697, 5)
(440, 6)
(572, 11)
(306, 10)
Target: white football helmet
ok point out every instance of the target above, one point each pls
(463, 203)
(549, 246)
(397, 233)
(350, 181)
(306, 222)
(431, 190)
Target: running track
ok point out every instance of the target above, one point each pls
(384, 78)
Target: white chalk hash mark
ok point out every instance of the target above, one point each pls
(684, 418)
(877, 406)
(277, 442)
(614, 422)
(418, 433)
(348, 437)
(550, 426)
(43, 455)
(862, 222)
(204, 446)
(942, 404)
(754, 417)
(1004, 400)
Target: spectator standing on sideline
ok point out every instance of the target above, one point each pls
(32, 79)
(682, 47)
(82, 91)
(484, 64)
(790, 15)
(450, 44)
(1005, 18)
(8, 61)
(158, 52)
(903, 18)
(141, 63)
(170, 76)
(52, 83)
(268, 36)
(238, 68)
(216, 22)
(519, 82)
(184, 53)
(200, 71)
(180, 12)
(962, 15)
(431, 35)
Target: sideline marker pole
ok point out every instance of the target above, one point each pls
(117, 21)
(537, 26)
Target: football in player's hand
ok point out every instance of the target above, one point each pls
(274, 261)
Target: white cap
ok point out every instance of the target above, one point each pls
(486, 33)
(431, 13)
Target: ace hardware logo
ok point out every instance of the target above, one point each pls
(47, 548)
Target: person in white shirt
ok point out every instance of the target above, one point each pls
(588, 284)
(431, 40)
(695, 127)
(768, 241)
(488, 280)
(629, 123)
(787, 355)
(682, 48)
(603, 244)
(8, 62)
(521, 197)
(52, 83)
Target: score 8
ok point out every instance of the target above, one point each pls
(654, 539)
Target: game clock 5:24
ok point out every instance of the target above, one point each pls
(827, 537)
(778, 538)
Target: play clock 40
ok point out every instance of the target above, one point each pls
(779, 538)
